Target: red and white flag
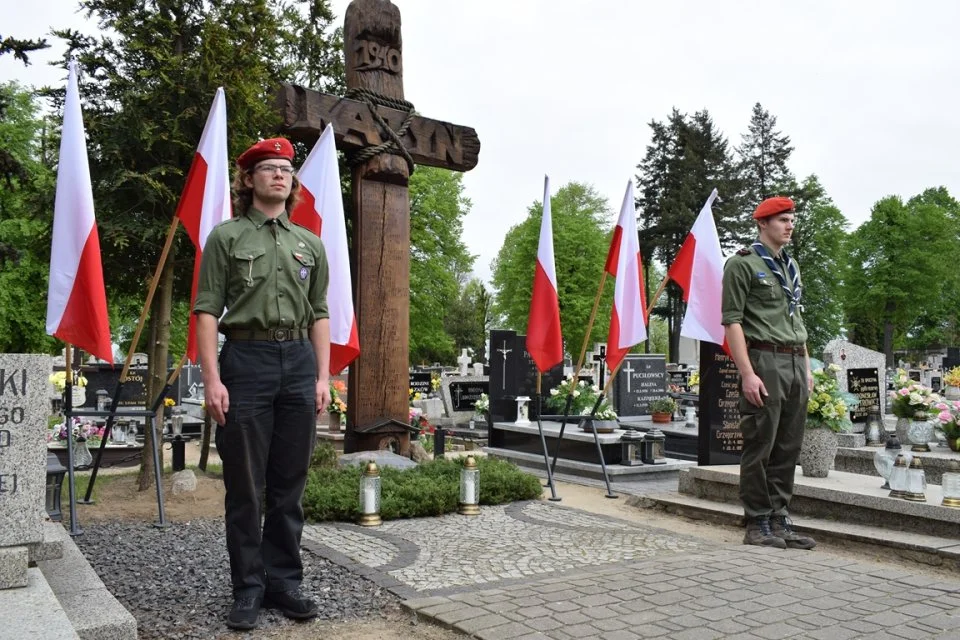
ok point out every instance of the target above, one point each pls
(544, 339)
(321, 210)
(76, 298)
(205, 201)
(698, 270)
(628, 319)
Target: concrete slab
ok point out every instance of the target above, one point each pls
(51, 547)
(588, 469)
(34, 612)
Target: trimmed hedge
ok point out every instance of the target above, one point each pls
(430, 489)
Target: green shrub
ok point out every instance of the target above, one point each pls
(324, 456)
(430, 489)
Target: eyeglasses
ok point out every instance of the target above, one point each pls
(273, 168)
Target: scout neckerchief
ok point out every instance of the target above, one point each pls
(793, 295)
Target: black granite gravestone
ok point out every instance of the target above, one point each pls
(134, 391)
(642, 378)
(720, 438)
(512, 374)
(420, 382)
(865, 385)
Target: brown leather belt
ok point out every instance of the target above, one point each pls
(787, 350)
(273, 335)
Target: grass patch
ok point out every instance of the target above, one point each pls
(430, 489)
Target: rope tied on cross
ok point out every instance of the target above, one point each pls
(394, 145)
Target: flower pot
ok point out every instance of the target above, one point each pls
(662, 418)
(335, 422)
(953, 443)
(817, 452)
(603, 426)
(951, 392)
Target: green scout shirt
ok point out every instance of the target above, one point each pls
(753, 298)
(267, 276)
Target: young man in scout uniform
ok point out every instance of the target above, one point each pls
(767, 339)
(271, 278)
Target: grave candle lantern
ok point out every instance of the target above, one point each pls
(951, 486)
(370, 496)
(898, 477)
(916, 482)
(469, 488)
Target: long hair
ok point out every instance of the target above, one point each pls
(243, 195)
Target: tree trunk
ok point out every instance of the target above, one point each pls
(888, 332)
(158, 350)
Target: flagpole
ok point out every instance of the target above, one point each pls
(596, 436)
(576, 371)
(126, 365)
(543, 442)
(656, 296)
(75, 529)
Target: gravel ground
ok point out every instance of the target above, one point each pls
(176, 581)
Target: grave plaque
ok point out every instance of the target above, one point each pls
(720, 438)
(865, 385)
(464, 394)
(642, 378)
(132, 395)
(420, 382)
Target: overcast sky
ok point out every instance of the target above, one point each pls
(867, 91)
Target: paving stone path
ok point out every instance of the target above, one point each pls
(537, 570)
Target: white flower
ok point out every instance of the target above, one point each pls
(554, 392)
(833, 367)
(915, 398)
(576, 394)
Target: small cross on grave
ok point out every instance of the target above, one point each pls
(504, 351)
(629, 371)
(383, 138)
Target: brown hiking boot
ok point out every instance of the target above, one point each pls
(760, 534)
(782, 527)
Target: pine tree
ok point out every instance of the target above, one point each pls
(763, 157)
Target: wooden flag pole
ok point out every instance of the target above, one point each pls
(586, 337)
(171, 232)
(543, 442)
(656, 295)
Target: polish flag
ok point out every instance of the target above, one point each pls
(698, 270)
(544, 340)
(205, 201)
(76, 298)
(321, 210)
(628, 320)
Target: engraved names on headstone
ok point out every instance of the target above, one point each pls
(865, 385)
(720, 439)
(642, 378)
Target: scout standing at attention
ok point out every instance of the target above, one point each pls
(767, 339)
(271, 277)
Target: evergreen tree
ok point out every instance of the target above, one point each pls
(763, 156)
(686, 159)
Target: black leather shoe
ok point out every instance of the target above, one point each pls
(244, 613)
(291, 604)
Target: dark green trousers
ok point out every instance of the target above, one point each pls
(772, 434)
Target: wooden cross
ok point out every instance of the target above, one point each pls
(599, 357)
(377, 392)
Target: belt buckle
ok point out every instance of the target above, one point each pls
(280, 335)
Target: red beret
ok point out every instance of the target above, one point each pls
(270, 149)
(773, 206)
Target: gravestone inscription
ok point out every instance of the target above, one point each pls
(420, 382)
(464, 394)
(720, 440)
(24, 407)
(865, 385)
(642, 378)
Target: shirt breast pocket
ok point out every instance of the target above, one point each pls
(249, 265)
(764, 290)
(303, 265)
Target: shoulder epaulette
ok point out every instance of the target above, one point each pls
(745, 251)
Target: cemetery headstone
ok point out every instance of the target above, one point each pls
(420, 382)
(24, 407)
(478, 369)
(864, 383)
(460, 393)
(464, 361)
(642, 378)
(853, 357)
(720, 440)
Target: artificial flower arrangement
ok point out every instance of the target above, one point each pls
(948, 417)
(435, 381)
(169, 402)
(81, 431)
(604, 412)
(337, 390)
(415, 395)
(59, 380)
(828, 407)
(694, 379)
(910, 399)
(482, 405)
(952, 377)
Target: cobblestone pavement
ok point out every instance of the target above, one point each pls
(538, 570)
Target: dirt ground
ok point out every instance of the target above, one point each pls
(118, 499)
